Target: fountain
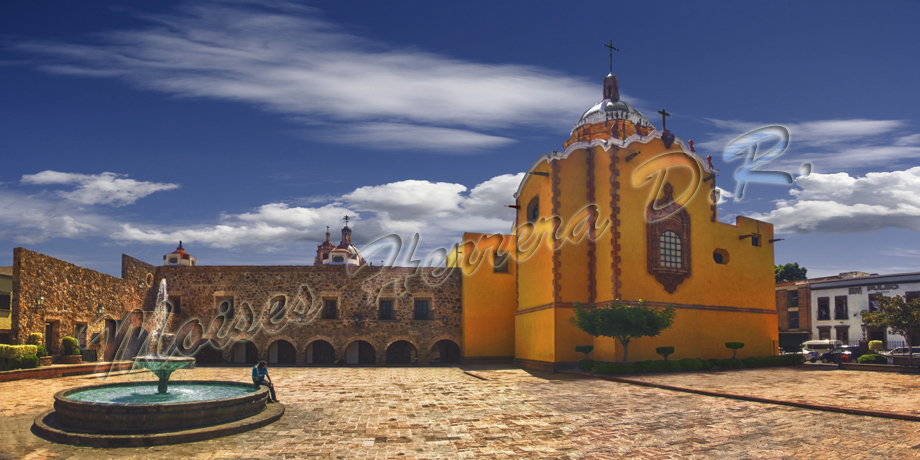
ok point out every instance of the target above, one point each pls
(144, 413)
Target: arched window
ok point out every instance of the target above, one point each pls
(670, 247)
(533, 210)
(668, 241)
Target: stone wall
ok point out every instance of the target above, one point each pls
(251, 289)
(72, 296)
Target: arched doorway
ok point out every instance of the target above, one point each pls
(446, 352)
(207, 352)
(245, 352)
(402, 352)
(281, 352)
(360, 352)
(320, 352)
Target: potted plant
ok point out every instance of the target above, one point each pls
(72, 354)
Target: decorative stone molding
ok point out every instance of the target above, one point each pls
(660, 218)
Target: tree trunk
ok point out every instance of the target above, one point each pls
(625, 349)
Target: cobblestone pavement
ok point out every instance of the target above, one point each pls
(825, 385)
(402, 413)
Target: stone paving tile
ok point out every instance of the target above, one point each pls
(427, 413)
(815, 384)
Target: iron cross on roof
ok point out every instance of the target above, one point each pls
(346, 221)
(611, 54)
(664, 117)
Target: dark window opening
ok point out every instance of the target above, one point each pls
(277, 310)
(79, 333)
(173, 260)
(824, 310)
(840, 307)
(792, 299)
(175, 302)
(226, 309)
(533, 210)
(873, 302)
(421, 310)
(386, 310)
(331, 310)
(500, 263)
(5, 301)
(793, 320)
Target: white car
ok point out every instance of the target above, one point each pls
(901, 351)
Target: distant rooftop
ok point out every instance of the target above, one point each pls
(6, 271)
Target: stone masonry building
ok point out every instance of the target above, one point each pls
(327, 313)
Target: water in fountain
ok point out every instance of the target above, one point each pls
(158, 359)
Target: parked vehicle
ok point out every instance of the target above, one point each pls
(900, 351)
(847, 354)
(813, 349)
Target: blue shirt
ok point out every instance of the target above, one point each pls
(259, 374)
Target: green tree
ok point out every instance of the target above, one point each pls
(623, 322)
(896, 314)
(790, 272)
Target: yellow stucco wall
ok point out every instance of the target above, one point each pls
(534, 337)
(489, 299)
(535, 250)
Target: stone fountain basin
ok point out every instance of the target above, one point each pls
(108, 417)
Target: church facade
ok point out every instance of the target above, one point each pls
(626, 211)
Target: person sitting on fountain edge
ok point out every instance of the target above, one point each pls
(259, 373)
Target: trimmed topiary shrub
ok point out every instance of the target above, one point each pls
(584, 349)
(35, 338)
(614, 368)
(734, 347)
(41, 351)
(19, 351)
(876, 346)
(872, 359)
(70, 345)
(665, 351)
(586, 365)
(690, 364)
(28, 362)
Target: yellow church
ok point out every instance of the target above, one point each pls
(626, 211)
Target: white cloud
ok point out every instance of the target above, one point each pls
(438, 211)
(829, 145)
(288, 60)
(29, 219)
(840, 203)
(724, 195)
(106, 188)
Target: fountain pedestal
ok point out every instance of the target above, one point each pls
(163, 368)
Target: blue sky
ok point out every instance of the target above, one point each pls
(246, 128)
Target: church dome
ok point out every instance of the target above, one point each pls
(610, 118)
(607, 110)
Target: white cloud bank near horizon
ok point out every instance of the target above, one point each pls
(438, 211)
(342, 87)
(839, 203)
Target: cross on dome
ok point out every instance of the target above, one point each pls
(612, 49)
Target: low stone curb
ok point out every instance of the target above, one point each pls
(46, 426)
(65, 370)
(820, 407)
